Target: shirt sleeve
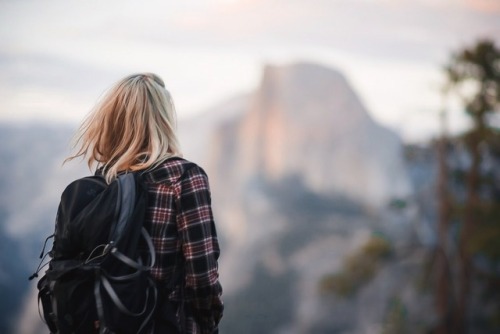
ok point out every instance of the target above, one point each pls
(201, 250)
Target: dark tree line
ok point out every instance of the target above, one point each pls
(468, 252)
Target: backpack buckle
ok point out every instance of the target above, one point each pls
(108, 247)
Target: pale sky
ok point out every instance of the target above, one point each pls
(57, 57)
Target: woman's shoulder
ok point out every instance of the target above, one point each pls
(172, 170)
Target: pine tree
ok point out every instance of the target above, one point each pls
(474, 76)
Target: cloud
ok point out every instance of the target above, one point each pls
(416, 29)
(210, 49)
(420, 30)
(484, 6)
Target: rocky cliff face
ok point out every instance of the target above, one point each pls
(305, 121)
(301, 177)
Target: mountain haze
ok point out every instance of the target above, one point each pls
(301, 178)
(305, 121)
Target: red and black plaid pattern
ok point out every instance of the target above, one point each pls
(180, 221)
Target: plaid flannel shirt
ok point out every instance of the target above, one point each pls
(180, 221)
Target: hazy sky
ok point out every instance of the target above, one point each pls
(57, 57)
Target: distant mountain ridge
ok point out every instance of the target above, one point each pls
(301, 175)
(304, 120)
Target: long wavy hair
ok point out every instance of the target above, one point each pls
(133, 127)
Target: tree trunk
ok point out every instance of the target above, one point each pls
(468, 227)
(442, 292)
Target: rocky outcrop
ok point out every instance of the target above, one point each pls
(305, 121)
(301, 176)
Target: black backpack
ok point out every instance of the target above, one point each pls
(98, 280)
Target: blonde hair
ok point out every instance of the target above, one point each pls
(132, 128)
